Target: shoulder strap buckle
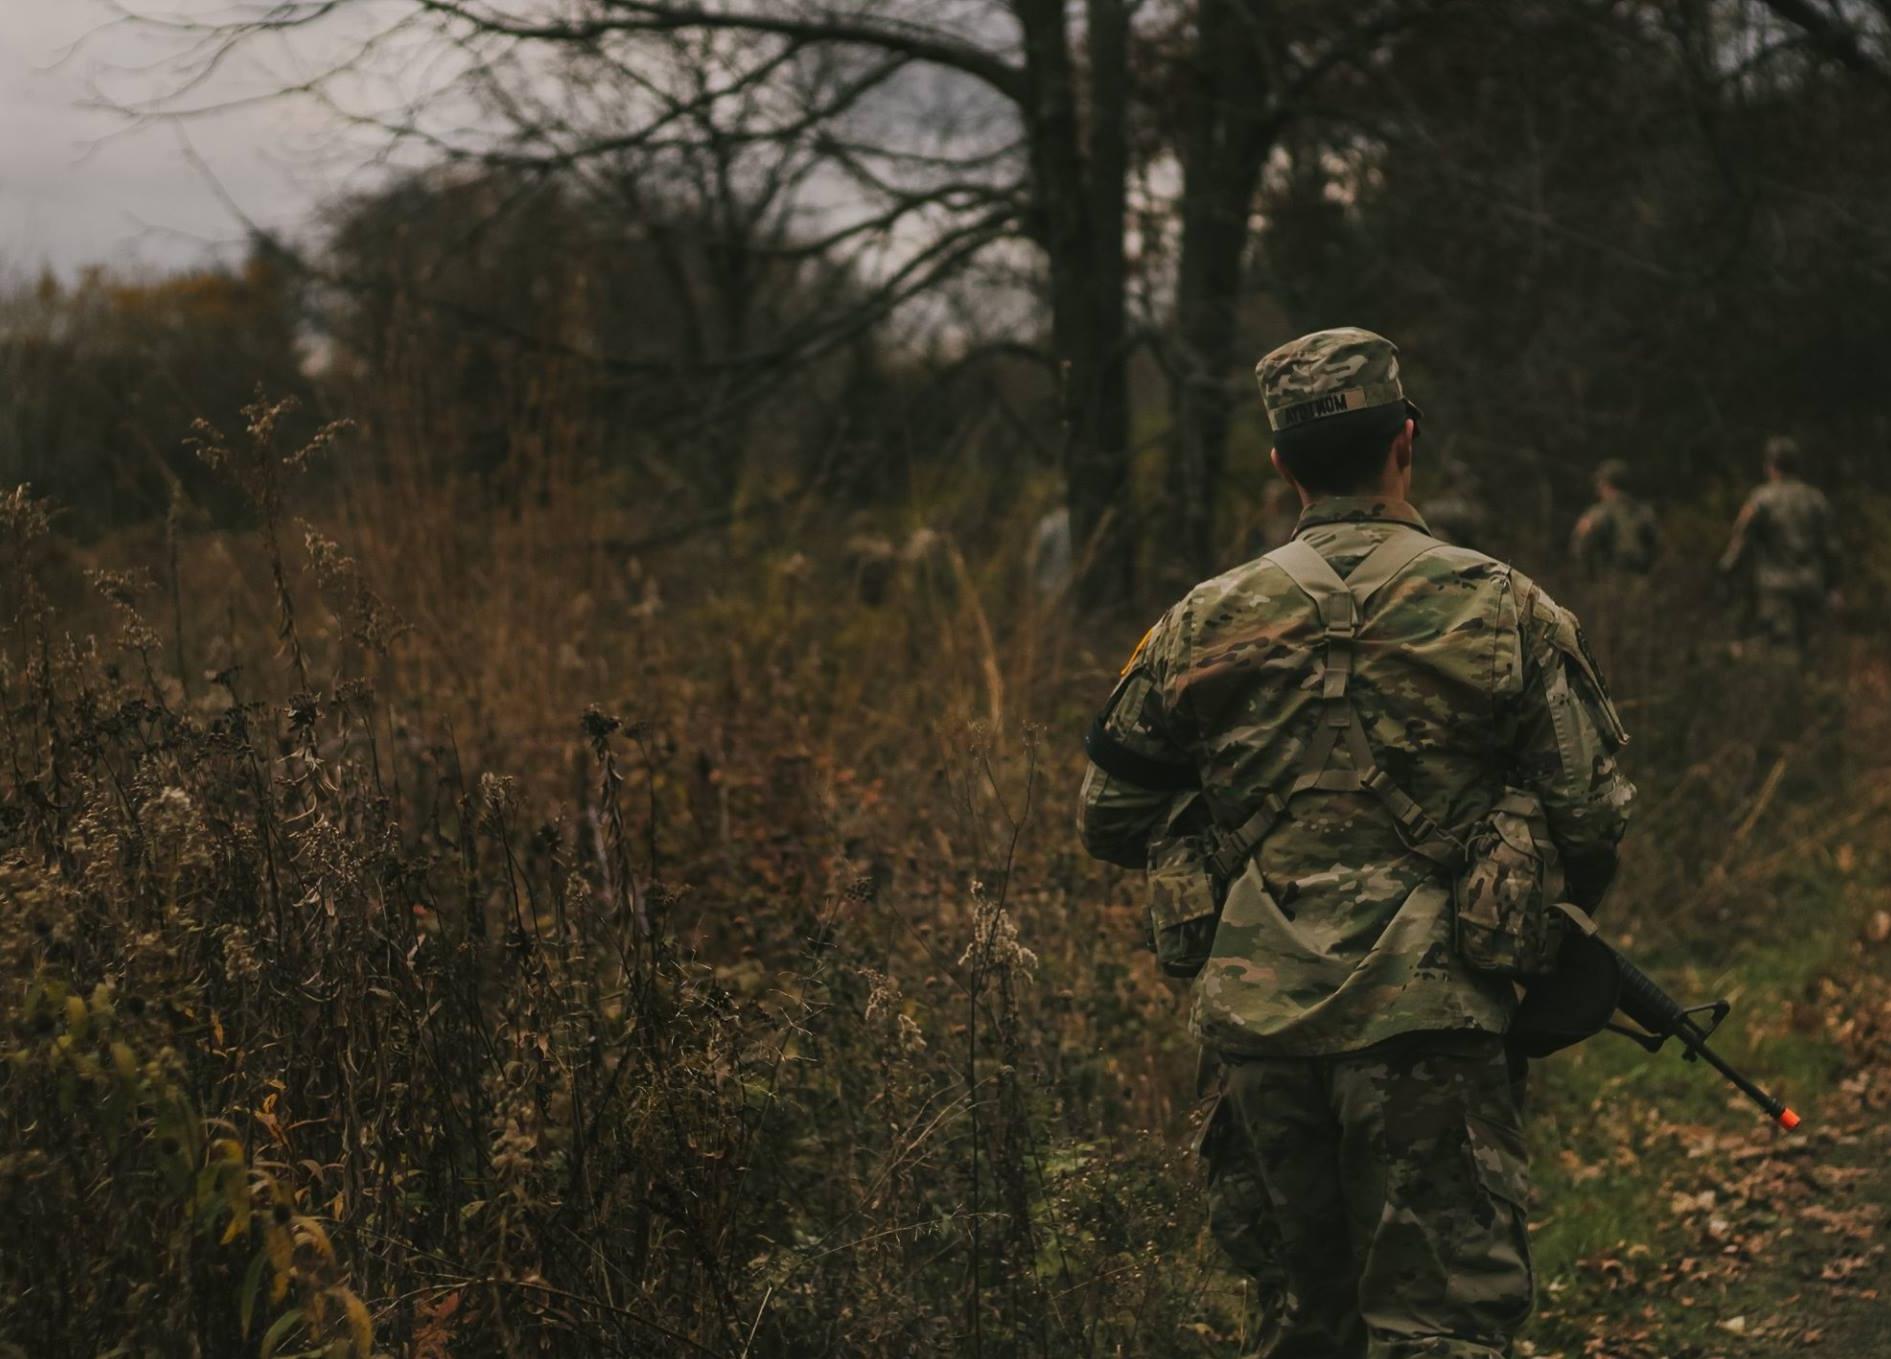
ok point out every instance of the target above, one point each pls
(1233, 849)
(1339, 614)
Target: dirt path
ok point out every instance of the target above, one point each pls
(1769, 1243)
(1817, 1267)
(1844, 1255)
(1824, 1279)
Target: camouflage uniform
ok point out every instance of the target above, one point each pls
(1245, 1223)
(1618, 534)
(1785, 547)
(1368, 1084)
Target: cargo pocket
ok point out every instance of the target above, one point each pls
(1184, 906)
(1567, 637)
(1241, 1215)
(1210, 1142)
(1502, 1167)
(1504, 901)
(1496, 1280)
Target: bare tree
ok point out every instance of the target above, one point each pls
(916, 140)
(1854, 33)
(1251, 70)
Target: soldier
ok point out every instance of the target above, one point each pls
(1273, 523)
(870, 561)
(1052, 562)
(931, 566)
(1618, 534)
(1328, 700)
(1456, 514)
(1784, 549)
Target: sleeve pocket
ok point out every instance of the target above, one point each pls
(1587, 676)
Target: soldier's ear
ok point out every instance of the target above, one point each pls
(1280, 466)
(1402, 446)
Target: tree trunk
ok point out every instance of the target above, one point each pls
(1079, 188)
(1098, 452)
(1229, 132)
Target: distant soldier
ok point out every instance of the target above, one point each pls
(1052, 561)
(1273, 524)
(1457, 514)
(1784, 550)
(931, 566)
(1618, 534)
(870, 562)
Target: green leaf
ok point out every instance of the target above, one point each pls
(252, 1285)
(206, 1202)
(279, 1332)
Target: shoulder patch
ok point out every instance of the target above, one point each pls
(1136, 655)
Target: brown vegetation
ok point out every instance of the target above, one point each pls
(512, 947)
(730, 1020)
(579, 861)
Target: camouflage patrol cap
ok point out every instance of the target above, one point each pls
(1613, 472)
(1328, 373)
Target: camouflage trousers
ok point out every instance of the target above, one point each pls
(1378, 1199)
(1787, 618)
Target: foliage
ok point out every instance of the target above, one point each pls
(778, 1016)
(1139, 198)
(100, 378)
(689, 1035)
(626, 324)
(585, 868)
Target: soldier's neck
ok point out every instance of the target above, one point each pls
(1398, 490)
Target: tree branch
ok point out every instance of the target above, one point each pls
(1839, 41)
(914, 42)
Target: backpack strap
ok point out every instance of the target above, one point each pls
(1341, 604)
(1386, 562)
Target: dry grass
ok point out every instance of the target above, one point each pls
(487, 942)
(550, 968)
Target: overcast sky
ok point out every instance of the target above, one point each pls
(81, 183)
(77, 187)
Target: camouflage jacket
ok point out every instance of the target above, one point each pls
(1785, 538)
(1616, 535)
(1468, 678)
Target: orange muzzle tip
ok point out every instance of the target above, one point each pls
(1788, 1119)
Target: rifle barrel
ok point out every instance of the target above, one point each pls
(1696, 1043)
(1659, 1013)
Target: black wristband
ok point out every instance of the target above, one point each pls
(1120, 762)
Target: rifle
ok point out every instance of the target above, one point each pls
(1662, 1017)
(1592, 982)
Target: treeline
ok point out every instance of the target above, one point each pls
(1016, 251)
(488, 330)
